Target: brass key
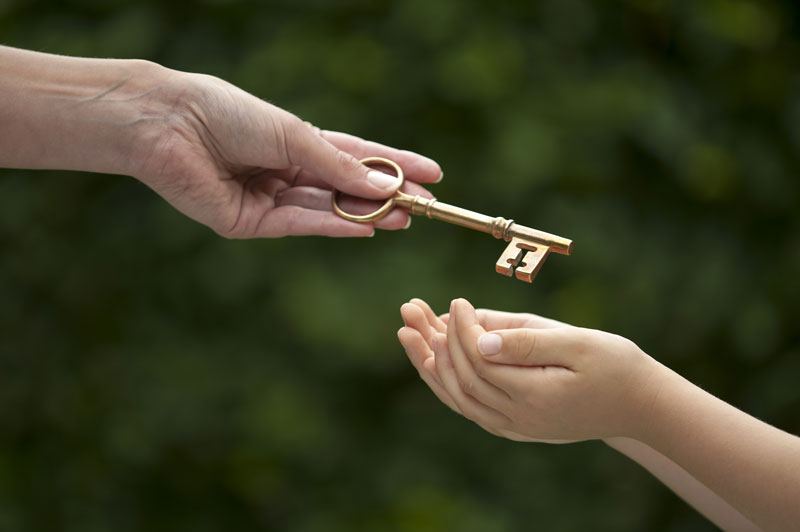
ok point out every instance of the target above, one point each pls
(525, 254)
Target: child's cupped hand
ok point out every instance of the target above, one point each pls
(529, 378)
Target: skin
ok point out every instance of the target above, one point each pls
(552, 382)
(246, 169)
(223, 157)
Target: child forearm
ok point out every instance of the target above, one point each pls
(683, 484)
(751, 465)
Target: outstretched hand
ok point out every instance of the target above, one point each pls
(249, 169)
(221, 156)
(525, 377)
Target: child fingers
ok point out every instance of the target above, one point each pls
(433, 319)
(496, 319)
(421, 357)
(468, 405)
(533, 347)
(554, 346)
(417, 350)
(431, 378)
(465, 331)
(414, 317)
(420, 353)
(471, 380)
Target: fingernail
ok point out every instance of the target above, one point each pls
(383, 181)
(490, 344)
(441, 176)
(408, 223)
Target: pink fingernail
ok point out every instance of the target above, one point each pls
(381, 180)
(490, 344)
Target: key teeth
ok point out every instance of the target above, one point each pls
(532, 263)
(506, 270)
(510, 258)
(522, 259)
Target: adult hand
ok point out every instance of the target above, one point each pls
(530, 378)
(249, 169)
(221, 156)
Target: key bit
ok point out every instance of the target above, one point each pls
(522, 259)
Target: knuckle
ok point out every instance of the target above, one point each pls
(468, 387)
(480, 368)
(516, 392)
(284, 139)
(529, 349)
(293, 124)
(463, 408)
(583, 342)
(312, 127)
(626, 343)
(288, 131)
(347, 161)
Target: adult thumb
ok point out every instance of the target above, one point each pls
(528, 347)
(307, 149)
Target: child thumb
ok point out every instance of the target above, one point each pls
(526, 347)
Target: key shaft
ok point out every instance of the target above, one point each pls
(498, 227)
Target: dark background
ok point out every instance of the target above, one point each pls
(157, 377)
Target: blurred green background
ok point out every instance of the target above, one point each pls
(154, 376)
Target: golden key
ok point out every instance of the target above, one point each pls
(527, 247)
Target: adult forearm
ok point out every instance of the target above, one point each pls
(753, 466)
(74, 113)
(699, 496)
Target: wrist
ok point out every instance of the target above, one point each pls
(125, 121)
(74, 113)
(646, 380)
(657, 386)
(159, 105)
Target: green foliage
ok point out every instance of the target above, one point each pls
(157, 377)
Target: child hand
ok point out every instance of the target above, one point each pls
(530, 378)
(417, 339)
